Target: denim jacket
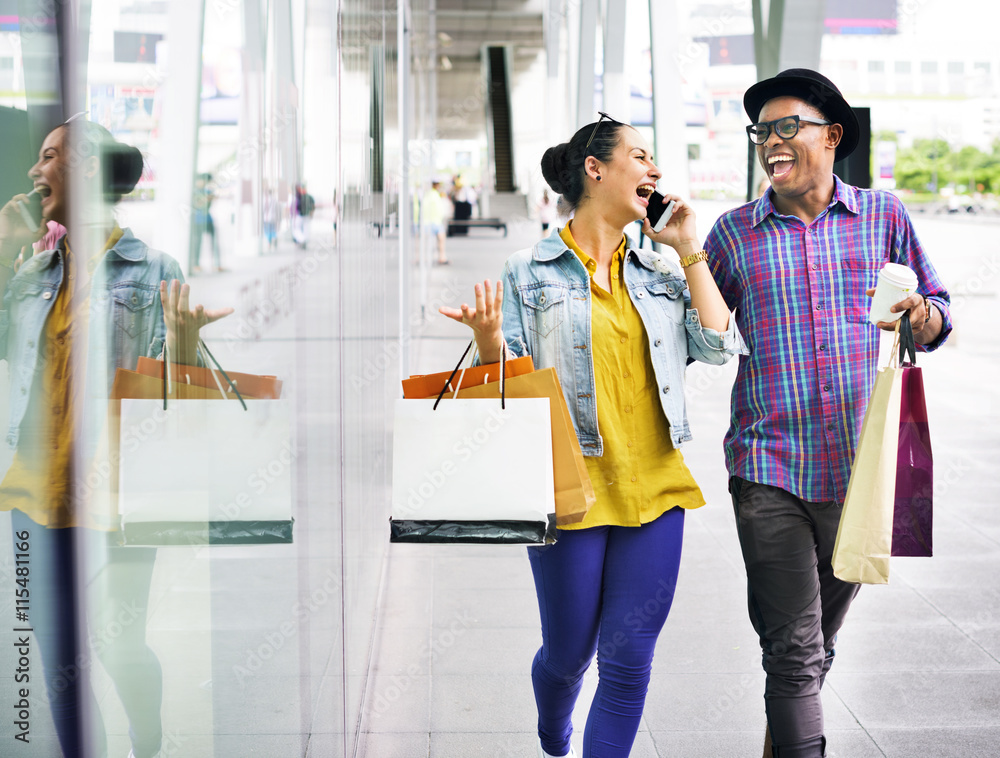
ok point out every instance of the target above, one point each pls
(124, 305)
(546, 314)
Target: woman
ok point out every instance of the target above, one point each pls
(71, 316)
(618, 324)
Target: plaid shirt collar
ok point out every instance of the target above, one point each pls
(844, 194)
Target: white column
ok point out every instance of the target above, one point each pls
(801, 35)
(285, 126)
(670, 148)
(179, 127)
(616, 93)
(251, 127)
(587, 15)
(555, 93)
(404, 84)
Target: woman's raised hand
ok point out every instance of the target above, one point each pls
(486, 320)
(681, 230)
(183, 324)
(14, 233)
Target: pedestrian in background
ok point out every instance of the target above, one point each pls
(432, 213)
(303, 206)
(620, 325)
(202, 223)
(796, 265)
(546, 211)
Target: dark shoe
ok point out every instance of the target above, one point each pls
(814, 748)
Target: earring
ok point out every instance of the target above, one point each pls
(598, 177)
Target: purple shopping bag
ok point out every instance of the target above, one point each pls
(913, 516)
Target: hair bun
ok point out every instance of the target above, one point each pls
(123, 168)
(554, 168)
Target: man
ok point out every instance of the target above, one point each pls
(798, 264)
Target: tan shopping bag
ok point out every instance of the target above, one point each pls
(864, 538)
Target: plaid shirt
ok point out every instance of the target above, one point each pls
(800, 396)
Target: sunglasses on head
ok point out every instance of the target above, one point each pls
(597, 126)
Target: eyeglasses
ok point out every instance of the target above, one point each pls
(786, 128)
(593, 134)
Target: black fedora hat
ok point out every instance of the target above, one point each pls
(813, 88)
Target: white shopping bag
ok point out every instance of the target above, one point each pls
(471, 471)
(205, 472)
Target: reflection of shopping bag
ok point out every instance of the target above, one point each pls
(203, 469)
(249, 385)
(472, 471)
(865, 536)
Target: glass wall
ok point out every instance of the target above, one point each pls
(191, 558)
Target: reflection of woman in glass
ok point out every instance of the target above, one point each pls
(71, 316)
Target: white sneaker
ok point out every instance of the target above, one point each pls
(543, 754)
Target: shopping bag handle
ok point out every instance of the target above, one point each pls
(202, 348)
(503, 372)
(906, 342)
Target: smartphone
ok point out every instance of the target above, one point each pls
(658, 213)
(31, 211)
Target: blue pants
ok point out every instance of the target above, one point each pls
(606, 590)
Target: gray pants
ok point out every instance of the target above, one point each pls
(796, 604)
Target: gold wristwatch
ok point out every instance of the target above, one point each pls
(690, 260)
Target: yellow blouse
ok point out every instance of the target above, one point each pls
(39, 480)
(641, 475)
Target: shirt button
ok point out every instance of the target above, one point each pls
(826, 388)
(624, 340)
(638, 294)
(815, 266)
(829, 427)
(628, 408)
(614, 276)
(634, 479)
(46, 295)
(625, 375)
(819, 306)
(666, 389)
(658, 342)
(630, 444)
(822, 347)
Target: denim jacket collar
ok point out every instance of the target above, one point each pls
(552, 247)
(127, 247)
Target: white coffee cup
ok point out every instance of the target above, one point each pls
(895, 283)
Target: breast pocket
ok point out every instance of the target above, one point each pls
(133, 309)
(860, 275)
(668, 294)
(22, 290)
(545, 310)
